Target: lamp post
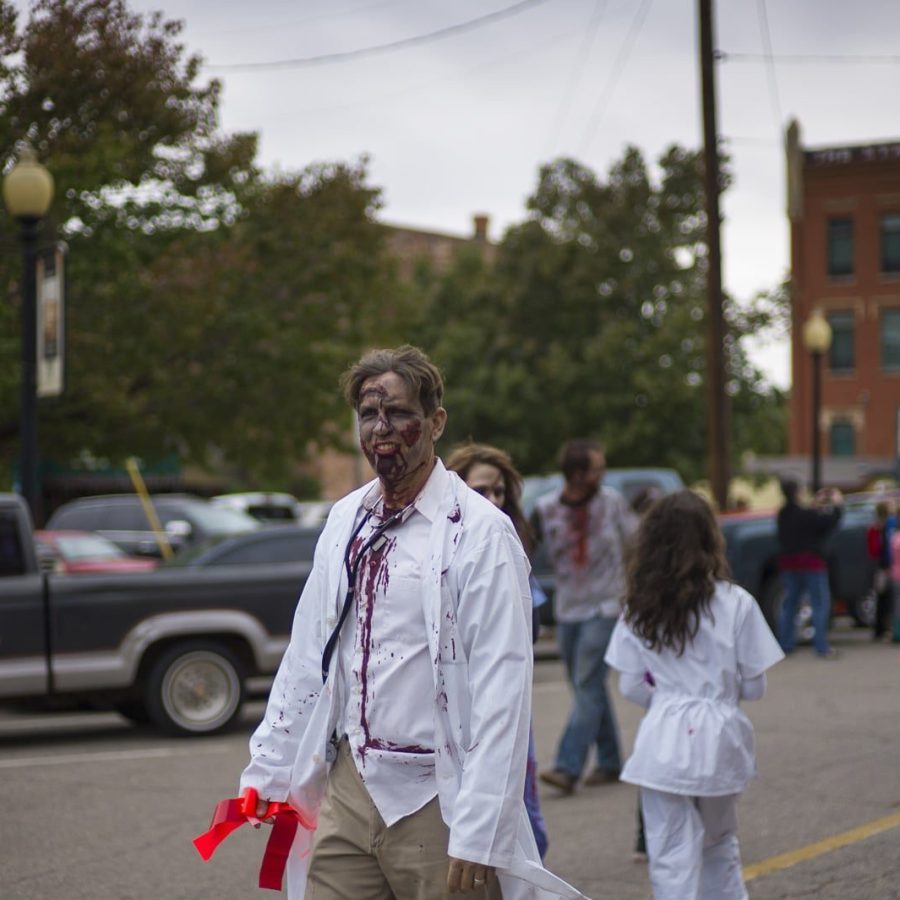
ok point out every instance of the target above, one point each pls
(28, 193)
(817, 339)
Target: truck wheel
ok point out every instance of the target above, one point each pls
(194, 688)
(863, 609)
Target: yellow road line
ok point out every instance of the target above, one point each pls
(786, 860)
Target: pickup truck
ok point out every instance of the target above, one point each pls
(173, 647)
(752, 548)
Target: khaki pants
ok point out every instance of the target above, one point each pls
(355, 856)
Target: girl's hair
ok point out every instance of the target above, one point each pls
(465, 456)
(674, 564)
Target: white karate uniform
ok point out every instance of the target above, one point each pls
(693, 753)
(476, 606)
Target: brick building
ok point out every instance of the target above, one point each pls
(411, 245)
(844, 210)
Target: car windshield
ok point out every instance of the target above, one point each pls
(215, 520)
(88, 546)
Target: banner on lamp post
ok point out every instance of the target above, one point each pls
(51, 319)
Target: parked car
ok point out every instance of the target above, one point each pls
(270, 507)
(751, 542)
(313, 513)
(269, 546)
(83, 552)
(175, 647)
(186, 520)
(629, 482)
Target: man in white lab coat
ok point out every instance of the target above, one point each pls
(403, 731)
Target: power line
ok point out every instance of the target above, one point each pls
(616, 73)
(808, 58)
(770, 62)
(576, 73)
(373, 99)
(346, 55)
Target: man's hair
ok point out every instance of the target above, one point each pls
(676, 559)
(419, 373)
(790, 487)
(465, 457)
(575, 455)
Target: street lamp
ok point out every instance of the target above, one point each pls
(817, 339)
(28, 193)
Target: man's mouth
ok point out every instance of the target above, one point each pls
(385, 449)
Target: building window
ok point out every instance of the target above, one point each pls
(842, 353)
(890, 339)
(890, 242)
(840, 247)
(842, 438)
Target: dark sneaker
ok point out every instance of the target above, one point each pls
(602, 776)
(830, 653)
(563, 781)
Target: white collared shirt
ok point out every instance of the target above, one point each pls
(386, 674)
(586, 545)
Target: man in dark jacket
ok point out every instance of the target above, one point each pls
(802, 532)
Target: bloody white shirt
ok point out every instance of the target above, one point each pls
(385, 676)
(586, 545)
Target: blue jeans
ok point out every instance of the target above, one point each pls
(796, 583)
(592, 720)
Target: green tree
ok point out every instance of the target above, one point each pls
(209, 306)
(592, 322)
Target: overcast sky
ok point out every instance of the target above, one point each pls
(461, 124)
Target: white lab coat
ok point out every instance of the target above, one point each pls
(477, 607)
(695, 739)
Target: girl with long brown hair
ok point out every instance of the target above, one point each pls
(689, 646)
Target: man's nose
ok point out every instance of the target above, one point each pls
(382, 425)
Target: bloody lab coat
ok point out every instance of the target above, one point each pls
(477, 607)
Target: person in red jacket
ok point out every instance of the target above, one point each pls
(802, 533)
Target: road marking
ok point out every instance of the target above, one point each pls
(114, 756)
(786, 860)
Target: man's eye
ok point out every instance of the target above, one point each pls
(367, 413)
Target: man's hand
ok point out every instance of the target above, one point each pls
(261, 807)
(464, 876)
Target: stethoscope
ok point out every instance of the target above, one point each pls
(374, 542)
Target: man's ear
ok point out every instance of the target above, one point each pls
(440, 420)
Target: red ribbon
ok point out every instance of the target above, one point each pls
(231, 814)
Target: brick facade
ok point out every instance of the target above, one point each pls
(841, 203)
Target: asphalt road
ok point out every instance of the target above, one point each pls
(96, 808)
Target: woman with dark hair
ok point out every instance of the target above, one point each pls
(490, 472)
(689, 646)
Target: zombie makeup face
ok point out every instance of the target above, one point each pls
(487, 480)
(585, 483)
(396, 436)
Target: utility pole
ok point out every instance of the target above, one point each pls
(718, 443)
